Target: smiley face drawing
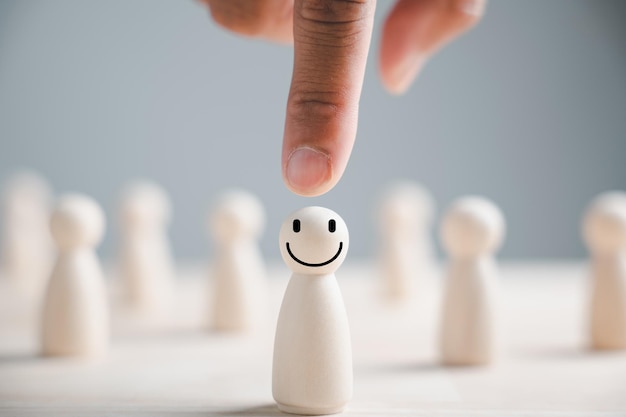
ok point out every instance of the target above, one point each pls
(313, 241)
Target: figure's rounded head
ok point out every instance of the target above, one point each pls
(27, 196)
(405, 207)
(611, 197)
(314, 240)
(604, 226)
(28, 185)
(144, 204)
(473, 226)
(77, 221)
(238, 214)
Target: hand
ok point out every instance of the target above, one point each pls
(331, 42)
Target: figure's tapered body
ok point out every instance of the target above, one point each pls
(75, 313)
(403, 268)
(604, 231)
(608, 302)
(312, 372)
(468, 323)
(147, 270)
(240, 287)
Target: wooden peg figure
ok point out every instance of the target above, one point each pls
(146, 262)
(27, 249)
(406, 254)
(472, 230)
(239, 273)
(604, 230)
(75, 319)
(312, 369)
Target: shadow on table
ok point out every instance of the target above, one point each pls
(566, 353)
(18, 357)
(265, 410)
(395, 368)
(261, 411)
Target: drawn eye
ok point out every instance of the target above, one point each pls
(296, 225)
(332, 226)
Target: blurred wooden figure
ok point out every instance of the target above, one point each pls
(239, 272)
(27, 248)
(146, 262)
(406, 253)
(472, 230)
(604, 230)
(75, 320)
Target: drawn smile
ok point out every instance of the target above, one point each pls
(315, 265)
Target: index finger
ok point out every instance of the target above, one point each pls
(331, 43)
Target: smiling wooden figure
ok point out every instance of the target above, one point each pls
(312, 369)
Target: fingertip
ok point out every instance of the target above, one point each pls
(397, 79)
(316, 148)
(402, 54)
(266, 19)
(308, 171)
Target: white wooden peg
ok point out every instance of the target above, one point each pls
(239, 273)
(312, 369)
(75, 320)
(472, 230)
(406, 254)
(604, 231)
(146, 262)
(27, 249)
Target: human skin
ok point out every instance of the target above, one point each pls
(331, 40)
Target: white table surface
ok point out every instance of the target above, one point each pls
(179, 367)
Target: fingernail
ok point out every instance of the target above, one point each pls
(404, 74)
(307, 169)
(472, 7)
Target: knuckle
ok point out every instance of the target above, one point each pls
(315, 108)
(334, 12)
(332, 23)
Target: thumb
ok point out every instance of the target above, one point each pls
(331, 43)
(415, 29)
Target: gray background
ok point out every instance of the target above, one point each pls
(528, 109)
